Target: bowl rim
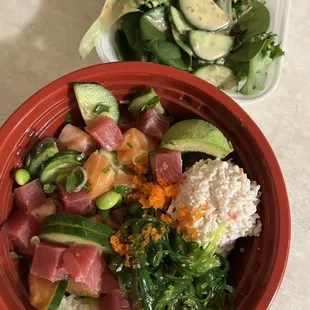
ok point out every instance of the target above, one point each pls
(284, 239)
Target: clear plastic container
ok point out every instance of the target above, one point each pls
(279, 11)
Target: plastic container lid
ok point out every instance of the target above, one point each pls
(279, 11)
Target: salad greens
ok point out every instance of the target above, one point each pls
(160, 32)
(162, 271)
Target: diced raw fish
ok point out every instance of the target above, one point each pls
(168, 166)
(84, 264)
(123, 179)
(20, 228)
(48, 262)
(119, 214)
(115, 301)
(126, 122)
(108, 283)
(100, 174)
(29, 196)
(60, 145)
(80, 289)
(135, 148)
(106, 132)
(78, 203)
(41, 291)
(153, 124)
(78, 140)
(45, 210)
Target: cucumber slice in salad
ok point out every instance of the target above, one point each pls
(210, 45)
(95, 101)
(219, 76)
(204, 14)
(42, 151)
(58, 164)
(68, 229)
(179, 21)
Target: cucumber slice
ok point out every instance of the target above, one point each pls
(141, 99)
(58, 295)
(68, 229)
(95, 101)
(112, 157)
(210, 45)
(181, 41)
(179, 21)
(42, 151)
(58, 164)
(204, 14)
(219, 76)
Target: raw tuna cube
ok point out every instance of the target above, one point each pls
(115, 301)
(106, 132)
(29, 196)
(48, 262)
(84, 263)
(78, 140)
(109, 283)
(20, 228)
(153, 124)
(119, 214)
(126, 122)
(78, 203)
(168, 166)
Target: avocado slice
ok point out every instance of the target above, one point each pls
(196, 135)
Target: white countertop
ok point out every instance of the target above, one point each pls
(38, 43)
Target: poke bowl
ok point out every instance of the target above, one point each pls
(117, 225)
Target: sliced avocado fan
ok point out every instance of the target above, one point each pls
(196, 135)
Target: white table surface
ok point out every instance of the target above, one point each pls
(38, 43)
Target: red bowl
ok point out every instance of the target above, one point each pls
(256, 273)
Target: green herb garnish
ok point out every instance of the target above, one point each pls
(101, 108)
(68, 119)
(151, 104)
(49, 188)
(74, 179)
(130, 145)
(106, 169)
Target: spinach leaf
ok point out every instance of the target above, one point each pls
(149, 32)
(154, 34)
(123, 50)
(247, 51)
(255, 21)
(256, 69)
(130, 25)
(170, 54)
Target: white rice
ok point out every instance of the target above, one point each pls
(232, 199)
(72, 302)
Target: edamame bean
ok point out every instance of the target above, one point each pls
(22, 176)
(109, 200)
(134, 208)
